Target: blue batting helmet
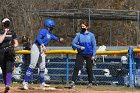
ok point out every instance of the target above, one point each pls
(49, 23)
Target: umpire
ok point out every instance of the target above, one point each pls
(8, 40)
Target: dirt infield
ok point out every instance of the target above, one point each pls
(78, 89)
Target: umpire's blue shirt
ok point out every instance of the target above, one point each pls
(44, 36)
(86, 40)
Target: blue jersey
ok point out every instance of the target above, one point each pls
(86, 40)
(44, 36)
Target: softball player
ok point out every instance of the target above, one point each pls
(8, 40)
(37, 52)
(85, 43)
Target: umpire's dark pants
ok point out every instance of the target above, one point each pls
(6, 62)
(79, 63)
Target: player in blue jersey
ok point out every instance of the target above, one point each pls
(85, 43)
(37, 52)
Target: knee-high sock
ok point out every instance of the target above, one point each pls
(28, 74)
(41, 76)
(8, 78)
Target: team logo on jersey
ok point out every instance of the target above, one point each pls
(8, 36)
(48, 36)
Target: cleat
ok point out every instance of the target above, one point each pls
(45, 85)
(25, 85)
(89, 85)
(7, 88)
(72, 84)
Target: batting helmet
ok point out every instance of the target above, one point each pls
(49, 23)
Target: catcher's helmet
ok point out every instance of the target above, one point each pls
(49, 23)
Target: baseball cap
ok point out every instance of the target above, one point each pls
(5, 19)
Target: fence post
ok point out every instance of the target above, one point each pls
(134, 70)
(67, 69)
(130, 52)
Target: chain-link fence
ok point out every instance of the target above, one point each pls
(107, 70)
(113, 70)
(111, 27)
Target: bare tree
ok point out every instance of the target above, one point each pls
(28, 23)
